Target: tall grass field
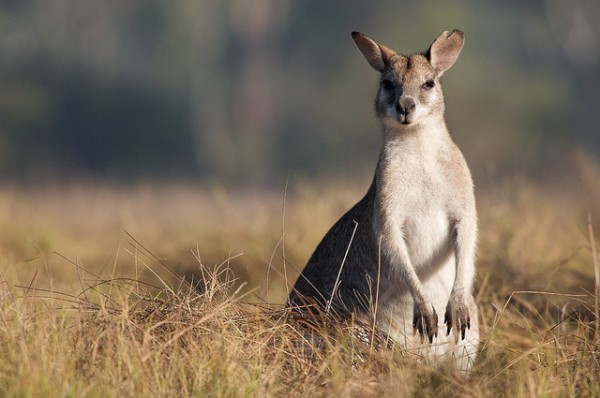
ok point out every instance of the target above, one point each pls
(178, 290)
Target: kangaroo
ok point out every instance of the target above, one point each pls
(406, 251)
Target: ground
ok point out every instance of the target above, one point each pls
(177, 290)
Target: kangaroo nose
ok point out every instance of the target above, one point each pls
(405, 105)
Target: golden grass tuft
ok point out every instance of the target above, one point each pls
(120, 337)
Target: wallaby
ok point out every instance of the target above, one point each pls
(406, 251)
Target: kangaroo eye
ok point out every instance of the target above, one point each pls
(387, 85)
(428, 85)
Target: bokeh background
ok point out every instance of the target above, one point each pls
(249, 92)
(233, 133)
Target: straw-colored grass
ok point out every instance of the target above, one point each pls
(92, 301)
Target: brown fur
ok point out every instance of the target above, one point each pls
(412, 237)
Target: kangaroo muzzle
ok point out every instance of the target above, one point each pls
(405, 107)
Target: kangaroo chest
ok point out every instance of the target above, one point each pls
(413, 210)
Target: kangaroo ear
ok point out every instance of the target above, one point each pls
(377, 55)
(445, 49)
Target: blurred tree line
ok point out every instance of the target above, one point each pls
(250, 90)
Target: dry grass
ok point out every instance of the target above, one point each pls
(107, 317)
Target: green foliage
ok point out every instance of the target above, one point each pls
(249, 91)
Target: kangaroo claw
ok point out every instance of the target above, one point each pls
(426, 323)
(457, 317)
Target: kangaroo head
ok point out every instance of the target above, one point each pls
(409, 90)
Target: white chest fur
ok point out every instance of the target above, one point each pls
(412, 201)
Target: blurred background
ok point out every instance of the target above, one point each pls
(137, 132)
(249, 92)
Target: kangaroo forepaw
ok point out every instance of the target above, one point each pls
(457, 316)
(425, 322)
